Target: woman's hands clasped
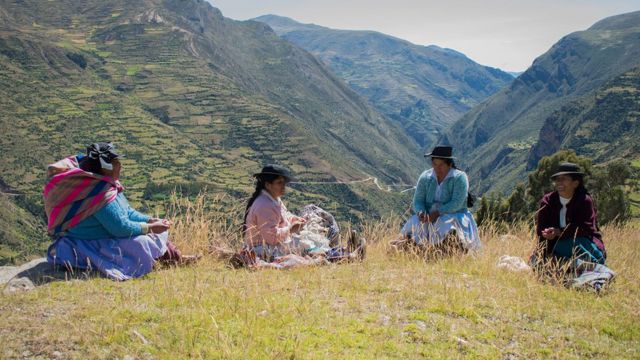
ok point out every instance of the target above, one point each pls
(158, 226)
(551, 233)
(430, 217)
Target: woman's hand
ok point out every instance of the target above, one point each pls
(154, 220)
(159, 226)
(433, 216)
(551, 233)
(296, 225)
(298, 219)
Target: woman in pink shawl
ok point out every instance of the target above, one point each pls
(92, 222)
(267, 223)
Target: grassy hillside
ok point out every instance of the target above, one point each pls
(193, 99)
(423, 88)
(21, 233)
(387, 307)
(495, 137)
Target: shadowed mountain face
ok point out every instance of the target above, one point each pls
(496, 137)
(603, 126)
(192, 98)
(423, 88)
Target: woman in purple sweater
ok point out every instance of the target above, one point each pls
(566, 224)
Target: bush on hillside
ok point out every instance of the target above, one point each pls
(605, 183)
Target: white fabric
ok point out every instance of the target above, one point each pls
(563, 211)
(312, 238)
(595, 276)
(512, 263)
(435, 233)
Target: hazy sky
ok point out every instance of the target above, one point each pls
(508, 34)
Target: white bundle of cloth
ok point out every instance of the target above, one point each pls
(319, 233)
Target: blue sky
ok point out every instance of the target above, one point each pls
(508, 34)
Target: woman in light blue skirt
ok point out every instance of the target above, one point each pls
(442, 219)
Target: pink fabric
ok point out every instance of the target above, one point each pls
(71, 194)
(268, 222)
(57, 209)
(59, 177)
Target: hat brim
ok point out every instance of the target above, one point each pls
(287, 178)
(440, 157)
(566, 173)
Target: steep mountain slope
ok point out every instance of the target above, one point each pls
(21, 232)
(424, 88)
(602, 126)
(495, 138)
(192, 98)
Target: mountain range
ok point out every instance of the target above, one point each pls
(604, 125)
(192, 98)
(423, 88)
(495, 139)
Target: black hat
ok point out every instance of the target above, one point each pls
(443, 152)
(567, 168)
(273, 169)
(102, 150)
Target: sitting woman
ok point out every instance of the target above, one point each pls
(566, 224)
(94, 226)
(267, 223)
(442, 222)
(271, 231)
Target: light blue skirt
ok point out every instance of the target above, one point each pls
(118, 259)
(435, 233)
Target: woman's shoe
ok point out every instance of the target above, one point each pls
(357, 246)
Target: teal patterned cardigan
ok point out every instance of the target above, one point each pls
(453, 198)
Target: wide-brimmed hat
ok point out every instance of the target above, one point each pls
(273, 169)
(443, 152)
(567, 168)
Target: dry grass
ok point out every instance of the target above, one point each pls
(390, 306)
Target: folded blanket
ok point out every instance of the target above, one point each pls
(593, 276)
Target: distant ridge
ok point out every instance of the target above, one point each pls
(423, 88)
(495, 138)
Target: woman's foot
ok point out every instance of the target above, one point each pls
(173, 256)
(452, 244)
(357, 246)
(399, 244)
